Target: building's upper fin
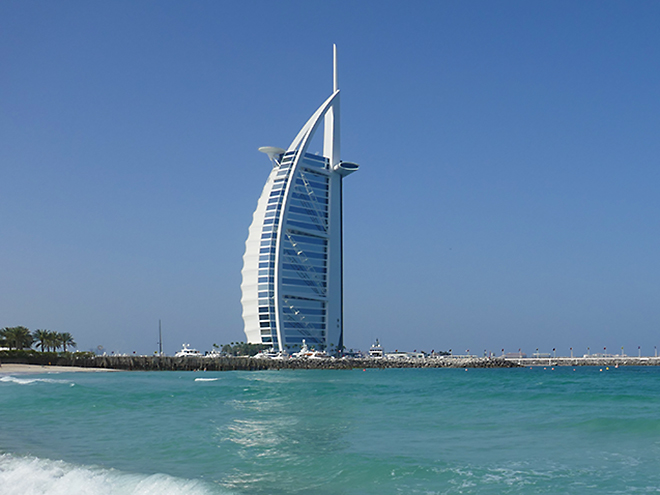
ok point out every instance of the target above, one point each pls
(330, 110)
(304, 136)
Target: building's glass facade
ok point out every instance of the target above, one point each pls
(303, 249)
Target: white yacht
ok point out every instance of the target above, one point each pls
(307, 353)
(270, 354)
(376, 350)
(186, 351)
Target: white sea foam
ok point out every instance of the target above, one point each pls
(206, 379)
(28, 381)
(33, 476)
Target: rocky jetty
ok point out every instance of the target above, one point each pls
(195, 363)
(588, 361)
(230, 363)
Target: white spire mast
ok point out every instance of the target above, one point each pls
(335, 86)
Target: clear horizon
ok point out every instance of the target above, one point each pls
(507, 194)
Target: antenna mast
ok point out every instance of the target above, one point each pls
(160, 340)
(335, 84)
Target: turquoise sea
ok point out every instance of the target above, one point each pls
(397, 431)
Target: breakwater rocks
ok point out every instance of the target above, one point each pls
(588, 361)
(253, 364)
(229, 363)
(193, 363)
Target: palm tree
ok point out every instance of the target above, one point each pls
(17, 337)
(57, 340)
(66, 339)
(50, 341)
(41, 338)
(47, 340)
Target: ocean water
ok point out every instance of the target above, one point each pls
(396, 431)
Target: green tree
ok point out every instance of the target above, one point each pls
(51, 341)
(57, 340)
(66, 339)
(243, 349)
(47, 340)
(16, 337)
(41, 339)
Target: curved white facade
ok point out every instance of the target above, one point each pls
(292, 267)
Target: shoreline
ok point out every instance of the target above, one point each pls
(24, 369)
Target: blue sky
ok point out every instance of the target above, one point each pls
(507, 195)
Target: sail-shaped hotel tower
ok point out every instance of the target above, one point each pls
(293, 262)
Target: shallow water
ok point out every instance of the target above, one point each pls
(332, 432)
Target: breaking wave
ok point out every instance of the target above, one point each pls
(34, 476)
(28, 381)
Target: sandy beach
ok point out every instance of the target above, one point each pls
(7, 369)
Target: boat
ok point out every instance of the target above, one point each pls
(376, 350)
(186, 351)
(307, 353)
(270, 354)
(319, 355)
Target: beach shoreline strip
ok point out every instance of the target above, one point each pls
(11, 369)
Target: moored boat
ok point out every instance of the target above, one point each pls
(307, 353)
(376, 351)
(186, 351)
(270, 354)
